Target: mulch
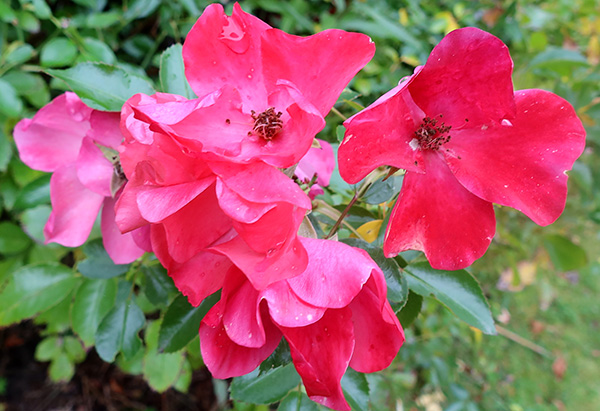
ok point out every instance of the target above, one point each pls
(96, 386)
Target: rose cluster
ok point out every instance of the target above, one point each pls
(205, 183)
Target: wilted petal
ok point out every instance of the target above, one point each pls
(436, 214)
(521, 163)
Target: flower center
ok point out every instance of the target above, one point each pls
(267, 124)
(430, 136)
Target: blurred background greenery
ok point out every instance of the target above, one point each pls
(542, 283)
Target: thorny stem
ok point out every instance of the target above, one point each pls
(338, 113)
(325, 209)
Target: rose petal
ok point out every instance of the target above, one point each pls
(223, 357)
(286, 309)
(321, 353)
(522, 162)
(105, 128)
(335, 273)
(121, 248)
(225, 50)
(53, 137)
(436, 214)
(320, 65)
(318, 162)
(74, 209)
(381, 135)
(467, 76)
(93, 169)
(378, 334)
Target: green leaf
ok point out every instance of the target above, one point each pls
(297, 401)
(58, 52)
(34, 288)
(97, 50)
(172, 73)
(98, 264)
(10, 103)
(458, 290)
(18, 53)
(140, 9)
(280, 357)
(41, 9)
(565, 255)
(158, 284)
(102, 20)
(74, 349)
(48, 349)
(559, 60)
(31, 86)
(161, 370)
(5, 151)
(61, 369)
(93, 300)
(118, 331)
(34, 220)
(181, 322)
(409, 313)
(34, 193)
(356, 390)
(382, 191)
(12, 239)
(265, 388)
(102, 86)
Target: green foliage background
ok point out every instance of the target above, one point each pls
(541, 283)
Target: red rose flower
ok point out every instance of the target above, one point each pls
(466, 140)
(333, 315)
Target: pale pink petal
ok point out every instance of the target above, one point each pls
(382, 134)
(74, 209)
(121, 248)
(105, 128)
(467, 79)
(318, 162)
(320, 65)
(93, 169)
(521, 163)
(53, 137)
(378, 334)
(286, 309)
(321, 353)
(225, 50)
(141, 236)
(335, 273)
(436, 214)
(223, 357)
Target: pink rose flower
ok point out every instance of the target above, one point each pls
(466, 140)
(206, 213)
(271, 89)
(64, 138)
(319, 163)
(333, 315)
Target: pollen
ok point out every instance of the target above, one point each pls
(430, 135)
(267, 124)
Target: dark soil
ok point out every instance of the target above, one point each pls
(24, 382)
